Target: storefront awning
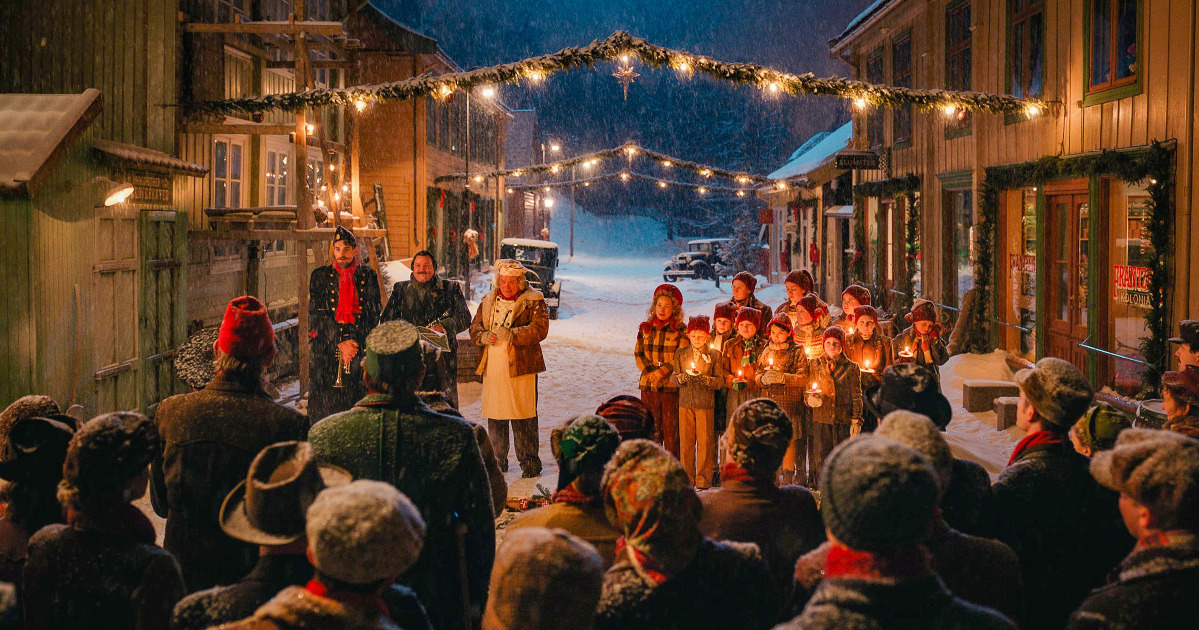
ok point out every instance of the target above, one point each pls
(839, 212)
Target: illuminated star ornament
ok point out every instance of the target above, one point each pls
(625, 75)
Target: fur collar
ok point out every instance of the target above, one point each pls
(295, 607)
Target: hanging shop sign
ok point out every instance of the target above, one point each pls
(858, 160)
(1131, 285)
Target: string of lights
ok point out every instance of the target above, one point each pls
(626, 176)
(623, 47)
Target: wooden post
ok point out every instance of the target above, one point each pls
(304, 218)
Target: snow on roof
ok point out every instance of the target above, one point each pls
(141, 156)
(528, 242)
(871, 11)
(815, 155)
(34, 130)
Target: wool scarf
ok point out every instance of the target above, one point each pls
(356, 600)
(899, 564)
(347, 295)
(1035, 439)
(732, 471)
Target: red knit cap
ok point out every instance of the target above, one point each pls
(834, 332)
(699, 322)
(725, 310)
(858, 292)
(813, 306)
(801, 278)
(865, 310)
(922, 311)
(748, 278)
(671, 290)
(751, 315)
(782, 321)
(246, 331)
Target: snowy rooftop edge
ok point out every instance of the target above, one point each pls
(32, 126)
(807, 161)
(862, 17)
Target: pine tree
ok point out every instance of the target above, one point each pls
(741, 253)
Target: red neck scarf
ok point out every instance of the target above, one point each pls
(571, 494)
(900, 564)
(361, 601)
(347, 295)
(731, 471)
(1035, 439)
(650, 568)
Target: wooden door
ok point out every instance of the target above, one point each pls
(115, 308)
(163, 303)
(1068, 238)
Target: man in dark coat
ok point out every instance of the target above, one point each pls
(429, 301)
(1064, 527)
(390, 435)
(343, 307)
(209, 438)
(1157, 476)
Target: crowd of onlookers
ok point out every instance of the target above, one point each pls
(383, 516)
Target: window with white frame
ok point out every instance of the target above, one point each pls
(275, 172)
(228, 171)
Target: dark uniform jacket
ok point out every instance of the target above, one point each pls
(440, 302)
(209, 438)
(325, 333)
(273, 573)
(1154, 589)
(434, 460)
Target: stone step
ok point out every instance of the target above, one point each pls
(980, 395)
(1005, 412)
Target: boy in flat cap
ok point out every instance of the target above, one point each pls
(343, 307)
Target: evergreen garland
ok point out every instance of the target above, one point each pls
(908, 187)
(1155, 164)
(621, 44)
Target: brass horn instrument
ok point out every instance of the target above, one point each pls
(341, 368)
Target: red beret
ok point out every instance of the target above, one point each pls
(748, 278)
(246, 331)
(751, 315)
(725, 310)
(858, 292)
(671, 290)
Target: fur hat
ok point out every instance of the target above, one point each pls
(1099, 427)
(917, 432)
(858, 292)
(1158, 469)
(343, 234)
(834, 332)
(699, 322)
(671, 290)
(813, 306)
(748, 279)
(758, 435)
(922, 311)
(914, 388)
(31, 406)
(749, 314)
(1057, 390)
(877, 494)
(246, 331)
(1184, 385)
(628, 415)
(509, 267)
(801, 278)
(104, 455)
(36, 448)
(390, 346)
(782, 321)
(865, 310)
(193, 360)
(725, 310)
(364, 532)
(543, 579)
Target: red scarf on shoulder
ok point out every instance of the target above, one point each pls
(1035, 439)
(357, 600)
(347, 295)
(900, 564)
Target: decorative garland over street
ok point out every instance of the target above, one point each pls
(1154, 164)
(630, 150)
(626, 176)
(908, 187)
(620, 45)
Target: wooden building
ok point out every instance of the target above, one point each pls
(1072, 252)
(526, 213)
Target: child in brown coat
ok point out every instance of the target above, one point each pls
(698, 371)
(834, 393)
(782, 374)
(741, 357)
(868, 347)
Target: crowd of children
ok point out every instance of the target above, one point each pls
(820, 370)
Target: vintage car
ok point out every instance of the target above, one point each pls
(541, 259)
(701, 261)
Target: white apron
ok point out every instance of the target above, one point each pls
(505, 397)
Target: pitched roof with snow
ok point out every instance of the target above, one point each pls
(814, 152)
(140, 157)
(35, 130)
(874, 9)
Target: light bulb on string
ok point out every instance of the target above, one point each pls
(445, 90)
(950, 109)
(478, 179)
(702, 190)
(547, 189)
(666, 163)
(510, 191)
(1032, 111)
(535, 76)
(488, 91)
(740, 193)
(360, 105)
(860, 103)
(554, 168)
(743, 180)
(706, 173)
(661, 184)
(624, 177)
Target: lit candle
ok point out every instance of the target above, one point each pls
(771, 360)
(713, 346)
(866, 368)
(906, 353)
(814, 389)
(851, 330)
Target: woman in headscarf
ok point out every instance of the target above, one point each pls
(667, 574)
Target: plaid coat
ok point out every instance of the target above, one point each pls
(793, 363)
(840, 383)
(655, 350)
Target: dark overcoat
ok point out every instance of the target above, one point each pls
(325, 333)
(442, 303)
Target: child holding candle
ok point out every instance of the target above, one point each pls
(740, 356)
(834, 394)
(658, 338)
(921, 342)
(868, 347)
(805, 321)
(698, 371)
(722, 331)
(781, 373)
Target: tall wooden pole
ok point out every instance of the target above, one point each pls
(304, 218)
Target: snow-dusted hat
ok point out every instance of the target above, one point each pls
(922, 311)
(193, 360)
(269, 507)
(105, 454)
(813, 305)
(363, 532)
(30, 406)
(748, 278)
(509, 267)
(801, 278)
(725, 310)
(865, 310)
(1183, 385)
(758, 436)
(1057, 390)
(390, 345)
(543, 579)
(671, 290)
(343, 234)
(1158, 469)
(878, 494)
(834, 332)
(36, 448)
(749, 314)
(918, 432)
(782, 321)
(699, 322)
(858, 292)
